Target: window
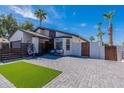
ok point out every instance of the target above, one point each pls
(67, 44)
(58, 44)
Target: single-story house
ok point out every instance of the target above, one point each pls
(4, 43)
(45, 39)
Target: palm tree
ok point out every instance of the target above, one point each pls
(109, 16)
(41, 15)
(91, 38)
(100, 33)
(99, 24)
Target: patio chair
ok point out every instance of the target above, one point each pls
(57, 52)
(52, 52)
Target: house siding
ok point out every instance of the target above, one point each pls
(18, 35)
(75, 42)
(59, 34)
(35, 41)
(67, 52)
(75, 46)
(27, 38)
(43, 32)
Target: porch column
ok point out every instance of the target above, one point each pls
(35, 41)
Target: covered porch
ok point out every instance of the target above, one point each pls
(41, 43)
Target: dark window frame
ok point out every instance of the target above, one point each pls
(68, 46)
(59, 45)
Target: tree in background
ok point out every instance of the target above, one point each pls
(8, 25)
(109, 17)
(41, 15)
(100, 33)
(91, 38)
(26, 26)
(106, 44)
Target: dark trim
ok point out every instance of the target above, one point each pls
(35, 35)
(45, 37)
(64, 37)
(43, 28)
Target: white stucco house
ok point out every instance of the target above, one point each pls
(45, 39)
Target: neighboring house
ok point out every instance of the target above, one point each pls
(45, 39)
(4, 43)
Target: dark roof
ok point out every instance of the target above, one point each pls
(44, 28)
(64, 37)
(32, 33)
(35, 34)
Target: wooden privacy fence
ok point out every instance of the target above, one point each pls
(111, 53)
(85, 49)
(11, 53)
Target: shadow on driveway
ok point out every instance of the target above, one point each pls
(50, 57)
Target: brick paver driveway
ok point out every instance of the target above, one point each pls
(80, 72)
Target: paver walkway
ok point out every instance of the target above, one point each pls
(81, 73)
(4, 83)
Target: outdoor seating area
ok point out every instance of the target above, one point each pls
(57, 52)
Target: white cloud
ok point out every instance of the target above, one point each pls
(24, 11)
(83, 24)
(53, 11)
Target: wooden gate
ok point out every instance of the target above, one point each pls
(85, 49)
(111, 53)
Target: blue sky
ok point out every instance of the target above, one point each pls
(79, 20)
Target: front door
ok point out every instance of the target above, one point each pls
(85, 49)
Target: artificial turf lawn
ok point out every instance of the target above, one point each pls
(26, 75)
